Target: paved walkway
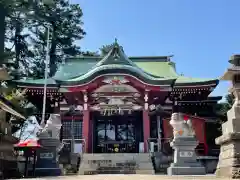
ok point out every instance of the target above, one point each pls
(131, 177)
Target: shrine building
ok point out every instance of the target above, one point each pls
(116, 103)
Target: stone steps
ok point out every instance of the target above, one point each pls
(119, 163)
(161, 162)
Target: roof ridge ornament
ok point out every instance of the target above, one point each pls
(116, 49)
(115, 41)
(169, 57)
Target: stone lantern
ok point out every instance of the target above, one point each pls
(229, 158)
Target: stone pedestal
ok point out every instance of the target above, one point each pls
(47, 156)
(47, 162)
(185, 160)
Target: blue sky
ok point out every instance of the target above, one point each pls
(201, 34)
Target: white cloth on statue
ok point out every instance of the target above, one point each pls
(53, 126)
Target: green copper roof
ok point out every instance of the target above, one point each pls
(73, 69)
(118, 69)
(115, 56)
(153, 70)
(40, 82)
(116, 62)
(183, 81)
(161, 69)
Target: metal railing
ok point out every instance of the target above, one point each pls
(163, 145)
(158, 144)
(67, 142)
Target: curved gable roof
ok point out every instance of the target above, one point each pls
(115, 62)
(153, 70)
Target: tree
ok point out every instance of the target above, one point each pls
(18, 21)
(223, 107)
(105, 49)
(12, 22)
(65, 24)
(89, 53)
(4, 8)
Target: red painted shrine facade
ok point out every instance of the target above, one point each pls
(118, 103)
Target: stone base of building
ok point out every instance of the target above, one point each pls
(119, 163)
(186, 171)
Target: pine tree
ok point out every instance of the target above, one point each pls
(64, 21)
(18, 21)
(105, 49)
(11, 26)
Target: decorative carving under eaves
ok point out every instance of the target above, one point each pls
(115, 80)
(121, 88)
(115, 105)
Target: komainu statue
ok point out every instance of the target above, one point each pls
(182, 126)
(184, 144)
(53, 126)
(47, 157)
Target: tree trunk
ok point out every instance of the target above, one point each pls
(53, 63)
(3, 14)
(17, 42)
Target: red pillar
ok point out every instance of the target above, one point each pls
(146, 129)
(86, 128)
(205, 138)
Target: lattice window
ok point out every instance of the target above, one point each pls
(67, 129)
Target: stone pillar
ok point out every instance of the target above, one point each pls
(86, 124)
(184, 144)
(229, 158)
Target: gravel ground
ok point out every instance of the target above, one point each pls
(131, 177)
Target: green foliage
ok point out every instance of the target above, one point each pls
(105, 49)
(64, 21)
(12, 23)
(24, 23)
(23, 39)
(223, 107)
(89, 53)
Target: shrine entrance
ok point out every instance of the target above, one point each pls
(117, 133)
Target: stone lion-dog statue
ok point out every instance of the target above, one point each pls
(182, 125)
